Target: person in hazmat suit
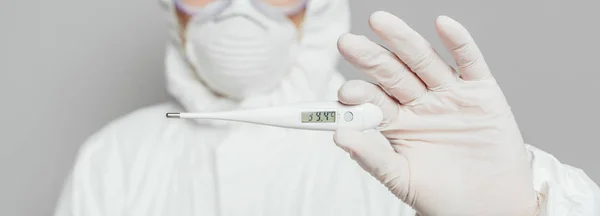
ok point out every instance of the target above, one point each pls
(448, 144)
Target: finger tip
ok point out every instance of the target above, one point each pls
(351, 92)
(338, 137)
(379, 16)
(439, 23)
(346, 42)
(380, 19)
(451, 31)
(343, 137)
(442, 17)
(446, 23)
(443, 20)
(343, 38)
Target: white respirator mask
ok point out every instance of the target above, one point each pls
(241, 48)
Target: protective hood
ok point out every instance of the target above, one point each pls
(313, 76)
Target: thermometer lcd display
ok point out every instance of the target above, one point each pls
(318, 117)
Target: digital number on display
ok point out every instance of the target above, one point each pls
(318, 117)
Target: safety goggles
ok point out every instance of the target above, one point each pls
(211, 7)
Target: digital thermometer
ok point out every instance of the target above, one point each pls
(327, 116)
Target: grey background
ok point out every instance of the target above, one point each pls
(69, 67)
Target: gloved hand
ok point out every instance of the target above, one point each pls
(455, 146)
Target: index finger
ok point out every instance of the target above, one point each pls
(356, 92)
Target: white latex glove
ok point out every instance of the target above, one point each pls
(456, 148)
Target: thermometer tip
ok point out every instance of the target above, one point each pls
(173, 115)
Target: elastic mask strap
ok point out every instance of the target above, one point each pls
(202, 12)
(278, 11)
(294, 9)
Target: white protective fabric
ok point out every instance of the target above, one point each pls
(145, 164)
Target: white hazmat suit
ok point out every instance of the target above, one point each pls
(145, 164)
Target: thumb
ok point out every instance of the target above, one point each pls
(387, 166)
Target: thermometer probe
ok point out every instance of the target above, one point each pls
(328, 116)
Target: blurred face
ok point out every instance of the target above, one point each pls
(295, 18)
(240, 48)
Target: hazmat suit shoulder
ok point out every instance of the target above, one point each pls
(562, 189)
(98, 183)
(142, 126)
